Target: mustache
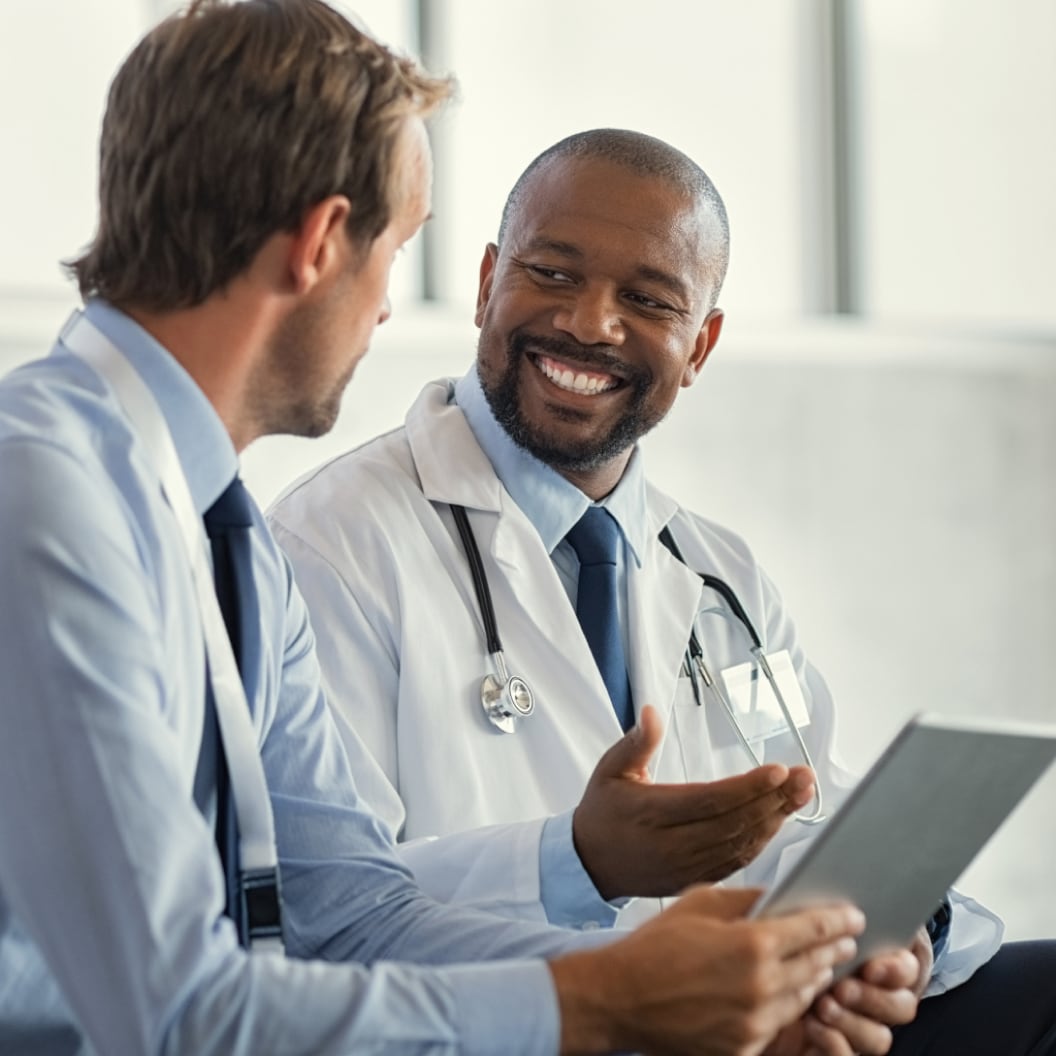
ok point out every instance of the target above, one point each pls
(523, 344)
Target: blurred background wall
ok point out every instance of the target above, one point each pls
(878, 419)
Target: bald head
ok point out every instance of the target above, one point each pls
(648, 157)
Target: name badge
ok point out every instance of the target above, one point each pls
(754, 702)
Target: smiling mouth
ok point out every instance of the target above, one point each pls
(571, 378)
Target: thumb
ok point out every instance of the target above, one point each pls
(630, 755)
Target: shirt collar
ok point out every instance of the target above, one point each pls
(550, 502)
(207, 455)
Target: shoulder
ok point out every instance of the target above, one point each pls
(376, 487)
(704, 542)
(352, 515)
(365, 483)
(68, 458)
(62, 401)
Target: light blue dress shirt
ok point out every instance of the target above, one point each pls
(112, 938)
(554, 505)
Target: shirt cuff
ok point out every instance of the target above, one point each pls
(568, 894)
(508, 1007)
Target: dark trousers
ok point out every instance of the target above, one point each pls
(1008, 1008)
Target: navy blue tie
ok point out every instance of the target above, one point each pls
(596, 540)
(228, 523)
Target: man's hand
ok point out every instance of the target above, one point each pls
(697, 978)
(856, 1016)
(638, 838)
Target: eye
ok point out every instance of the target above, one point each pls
(549, 274)
(643, 300)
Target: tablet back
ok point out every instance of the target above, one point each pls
(914, 823)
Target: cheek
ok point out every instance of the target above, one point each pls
(380, 285)
(679, 371)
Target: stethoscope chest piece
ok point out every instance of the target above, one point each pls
(506, 701)
(504, 697)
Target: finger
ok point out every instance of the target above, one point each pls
(863, 1035)
(798, 789)
(825, 1040)
(722, 846)
(815, 966)
(821, 926)
(765, 813)
(686, 804)
(630, 755)
(891, 970)
(790, 1007)
(891, 1005)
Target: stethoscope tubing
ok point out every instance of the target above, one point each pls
(505, 698)
(696, 667)
(501, 709)
(485, 605)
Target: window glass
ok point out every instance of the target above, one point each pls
(56, 61)
(957, 140)
(952, 142)
(720, 81)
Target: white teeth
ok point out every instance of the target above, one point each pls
(566, 379)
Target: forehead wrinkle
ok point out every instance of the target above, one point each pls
(540, 243)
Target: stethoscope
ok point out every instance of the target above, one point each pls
(698, 673)
(506, 698)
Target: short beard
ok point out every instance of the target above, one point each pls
(503, 396)
(287, 395)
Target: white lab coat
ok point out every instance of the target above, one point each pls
(401, 643)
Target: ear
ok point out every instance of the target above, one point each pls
(706, 341)
(487, 274)
(320, 243)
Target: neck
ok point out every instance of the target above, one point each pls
(216, 343)
(601, 481)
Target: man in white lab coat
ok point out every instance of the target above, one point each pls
(596, 306)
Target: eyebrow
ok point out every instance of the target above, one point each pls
(643, 271)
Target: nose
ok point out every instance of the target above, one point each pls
(592, 316)
(386, 310)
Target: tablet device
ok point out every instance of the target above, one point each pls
(914, 823)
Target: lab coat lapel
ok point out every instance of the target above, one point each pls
(451, 466)
(664, 597)
(541, 610)
(532, 607)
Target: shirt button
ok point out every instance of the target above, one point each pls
(589, 925)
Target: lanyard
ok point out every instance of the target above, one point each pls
(256, 825)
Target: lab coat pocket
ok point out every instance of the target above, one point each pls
(691, 751)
